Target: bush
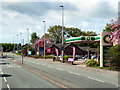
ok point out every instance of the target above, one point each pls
(68, 56)
(91, 62)
(113, 56)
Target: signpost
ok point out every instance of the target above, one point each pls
(104, 46)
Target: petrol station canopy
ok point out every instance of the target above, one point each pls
(83, 39)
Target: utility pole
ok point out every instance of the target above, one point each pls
(62, 33)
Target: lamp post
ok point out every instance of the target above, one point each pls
(21, 39)
(62, 33)
(17, 43)
(44, 39)
(28, 35)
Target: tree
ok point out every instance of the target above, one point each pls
(114, 57)
(89, 33)
(114, 28)
(33, 37)
(55, 33)
(73, 32)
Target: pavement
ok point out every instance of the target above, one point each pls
(40, 73)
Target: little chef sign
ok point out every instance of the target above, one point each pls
(48, 50)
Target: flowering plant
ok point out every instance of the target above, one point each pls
(114, 28)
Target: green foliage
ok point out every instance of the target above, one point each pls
(9, 46)
(113, 57)
(33, 37)
(47, 56)
(91, 62)
(18, 53)
(68, 56)
(89, 33)
(55, 33)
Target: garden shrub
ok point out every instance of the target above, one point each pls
(91, 62)
(113, 57)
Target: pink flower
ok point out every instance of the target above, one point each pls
(111, 20)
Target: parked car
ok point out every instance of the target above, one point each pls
(93, 57)
(78, 56)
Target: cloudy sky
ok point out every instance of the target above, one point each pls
(87, 15)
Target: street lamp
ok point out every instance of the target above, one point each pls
(28, 35)
(17, 43)
(21, 39)
(62, 33)
(44, 39)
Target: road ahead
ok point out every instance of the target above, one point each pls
(36, 73)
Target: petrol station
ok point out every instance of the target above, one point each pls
(103, 39)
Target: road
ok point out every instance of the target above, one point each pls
(40, 73)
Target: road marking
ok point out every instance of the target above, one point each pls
(99, 80)
(117, 85)
(2, 73)
(60, 69)
(90, 78)
(95, 79)
(4, 79)
(74, 73)
(8, 86)
(51, 66)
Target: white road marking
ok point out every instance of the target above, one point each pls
(2, 73)
(60, 69)
(117, 85)
(4, 79)
(51, 66)
(90, 78)
(95, 79)
(8, 86)
(74, 73)
(99, 80)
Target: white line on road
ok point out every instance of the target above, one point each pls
(8, 86)
(51, 66)
(4, 79)
(2, 73)
(74, 73)
(95, 79)
(60, 69)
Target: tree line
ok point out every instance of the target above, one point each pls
(55, 33)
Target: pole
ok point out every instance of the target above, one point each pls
(28, 35)
(17, 43)
(44, 39)
(62, 33)
(13, 51)
(88, 51)
(22, 54)
(21, 39)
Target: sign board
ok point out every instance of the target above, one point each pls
(29, 52)
(41, 49)
(70, 59)
(104, 46)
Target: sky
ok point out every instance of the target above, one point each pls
(18, 15)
